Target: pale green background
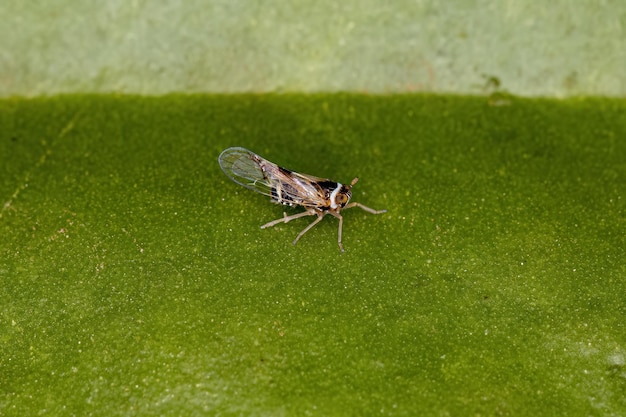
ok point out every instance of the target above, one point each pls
(551, 48)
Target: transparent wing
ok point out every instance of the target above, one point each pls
(244, 167)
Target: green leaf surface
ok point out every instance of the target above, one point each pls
(135, 279)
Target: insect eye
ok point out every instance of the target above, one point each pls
(342, 199)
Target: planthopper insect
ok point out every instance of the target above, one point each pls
(318, 196)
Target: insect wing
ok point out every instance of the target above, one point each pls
(245, 168)
(283, 186)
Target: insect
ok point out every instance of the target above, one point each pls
(318, 196)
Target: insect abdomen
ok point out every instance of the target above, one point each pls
(282, 196)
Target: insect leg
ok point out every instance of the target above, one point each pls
(361, 206)
(320, 216)
(286, 218)
(340, 217)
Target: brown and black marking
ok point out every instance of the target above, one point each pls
(282, 191)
